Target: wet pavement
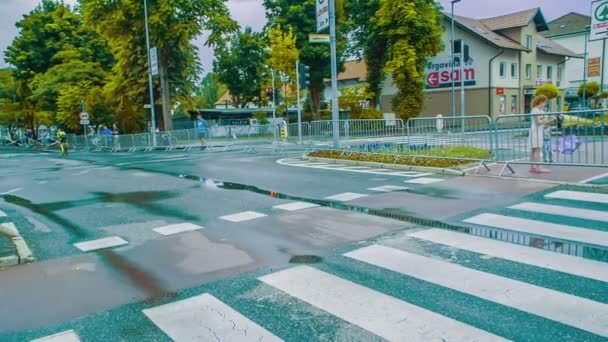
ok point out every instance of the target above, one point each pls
(227, 224)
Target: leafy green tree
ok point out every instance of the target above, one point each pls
(550, 90)
(367, 42)
(209, 91)
(300, 16)
(241, 66)
(52, 46)
(173, 26)
(413, 30)
(357, 101)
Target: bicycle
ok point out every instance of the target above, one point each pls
(64, 148)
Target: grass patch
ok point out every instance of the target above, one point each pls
(413, 158)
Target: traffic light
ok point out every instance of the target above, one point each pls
(458, 50)
(277, 94)
(269, 93)
(304, 72)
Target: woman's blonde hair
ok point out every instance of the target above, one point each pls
(539, 99)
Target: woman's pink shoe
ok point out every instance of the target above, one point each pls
(543, 170)
(534, 169)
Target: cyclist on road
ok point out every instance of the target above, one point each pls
(62, 139)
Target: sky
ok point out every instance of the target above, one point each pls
(251, 13)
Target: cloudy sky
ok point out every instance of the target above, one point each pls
(251, 13)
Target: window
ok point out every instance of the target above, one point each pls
(529, 42)
(514, 70)
(549, 72)
(559, 103)
(513, 104)
(559, 73)
(539, 72)
(503, 69)
(528, 71)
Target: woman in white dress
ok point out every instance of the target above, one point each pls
(535, 138)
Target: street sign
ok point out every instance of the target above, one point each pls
(322, 15)
(147, 106)
(594, 67)
(154, 61)
(318, 38)
(599, 20)
(84, 116)
(85, 121)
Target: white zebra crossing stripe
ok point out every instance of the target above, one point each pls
(2, 213)
(345, 197)
(425, 180)
(112, 241)
(295, 206)
(559, 210)
(65, 336)
(388, 188)
(244, 216)
(383, 315)
(579, 196)
(559, 231)
(531, 256)
(561, 307)
(205, 318)
(177, 228)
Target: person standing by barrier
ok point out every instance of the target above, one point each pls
(547, 145)
(538, 124)
(116, 137)
(202, 129)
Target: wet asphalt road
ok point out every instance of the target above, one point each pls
(57, 203)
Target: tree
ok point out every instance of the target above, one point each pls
(357, 100)
(52, 46)
(283, 52)
(413, 30)
(300, 16)
(550, 90)
(240, 66)
(209, 91)
(368, 42)
(591, 89)
(173, 26)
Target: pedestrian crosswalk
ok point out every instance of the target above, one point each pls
(424, 284)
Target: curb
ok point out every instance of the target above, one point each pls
(388, 166)
(24, 253)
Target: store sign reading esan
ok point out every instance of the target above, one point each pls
(439, 70)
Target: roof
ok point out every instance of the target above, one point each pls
(568, 24)
(353, 70)
(517, 19)
(480, 29)
(222, 100)
(552, 48)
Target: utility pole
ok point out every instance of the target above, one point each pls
(335, 110)
(452, 62)
(150, 78)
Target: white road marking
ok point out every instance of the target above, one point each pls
(11, 191)
(388, 188)
(579, 196)
(2, 213)
(205, 318)
(244, 216)
(531, 256)
(559, 210)
(344, 167)
(589, 180)
(43, 182)
(345, 197)
(560, 231)
(112, 241)
(177, 228)
(65, 336)
(80, 173)
(383, 315)
(295, 206)
(578, 312)
(424, 180)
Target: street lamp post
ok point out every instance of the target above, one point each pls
(587, 29)
(452, 57)
(150, 78)
(335, 110)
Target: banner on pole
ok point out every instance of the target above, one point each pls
(154, 61)
(322, 15)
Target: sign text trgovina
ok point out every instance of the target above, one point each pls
(322, 15)
(439, 70)
(599, 20)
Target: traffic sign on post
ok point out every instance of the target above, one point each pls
(154, 61)
(85, 121)
(599, 20)
(84, 116)
(322, 15)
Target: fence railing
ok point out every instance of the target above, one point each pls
(566, 138)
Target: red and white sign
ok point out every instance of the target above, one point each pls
(439, 73)
(84, 116)
(500, 91)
